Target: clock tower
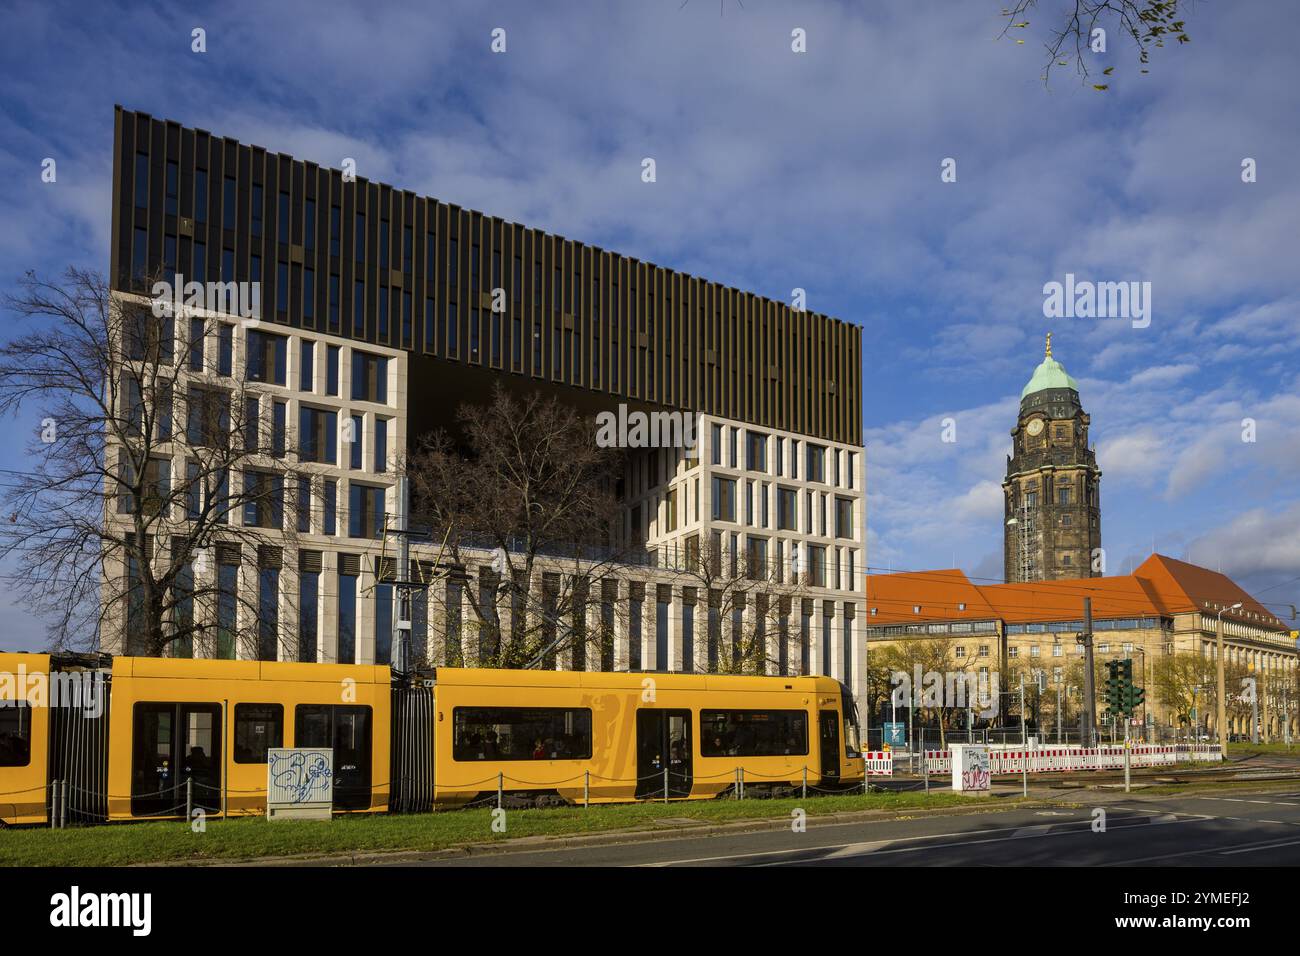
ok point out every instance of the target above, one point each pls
(1052, 491)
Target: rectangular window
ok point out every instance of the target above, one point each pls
(755, 451)
(365, 511)
(283, 216)
(347, 619)
(307, 367)
(200, 195)
(304, 504)
(225, 349)
(196, 345)
(308, 615)
(381, 445)
(317, 434)
(336, 218)
(267, 357)
(383, 623)
(268, 614)
(258, 728)
(263, 500)
(330, 507)
(331, 370)
(816, 470)
(141, 180)
(521, 733)
(787, 500)
(724, 499)
(279, 428)
(309, 224)
(140, 254)
(359, 309)
(844, 517)
(369, 377)
(15, 734)
(334, 303)
(172, 188)
(228, 207)
(257, 210)
(817, 565)
(359, 240)
(282, 287)
(227, 604)
(753, 733)
(355, 459)
(200, 268)
(252, 423)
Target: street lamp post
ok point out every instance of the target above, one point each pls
(1223, 708)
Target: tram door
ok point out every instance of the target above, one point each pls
(174, 743)
(830, 736)
(663, 741)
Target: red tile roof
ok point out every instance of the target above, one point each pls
(1160, 586)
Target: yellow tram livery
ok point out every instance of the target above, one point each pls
(91, 739)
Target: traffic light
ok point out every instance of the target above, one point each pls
(1122, 698)
(1114, 689)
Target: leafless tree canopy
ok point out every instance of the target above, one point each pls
(528, 483)
(106, 386)
(1147, 23)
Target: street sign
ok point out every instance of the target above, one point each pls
(895, 733)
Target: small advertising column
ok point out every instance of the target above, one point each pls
(970, 768)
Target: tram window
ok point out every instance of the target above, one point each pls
(521, 733)
(258, 727)
(15, 733)
(753, 733)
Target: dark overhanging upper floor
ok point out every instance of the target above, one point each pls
(376, 264)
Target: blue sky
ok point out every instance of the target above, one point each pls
(779, 170)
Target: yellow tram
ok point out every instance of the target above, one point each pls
(134, 738)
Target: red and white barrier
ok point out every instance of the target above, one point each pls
(1064, 759)
(880, 763)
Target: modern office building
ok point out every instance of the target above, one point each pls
(382, 311)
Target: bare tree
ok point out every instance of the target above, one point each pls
(1147, 23)
(526, 483)
(744, 604)
(124, 515)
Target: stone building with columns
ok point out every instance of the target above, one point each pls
(1165, 607)
(383, 311)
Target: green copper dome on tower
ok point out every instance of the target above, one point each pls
(1049, 374)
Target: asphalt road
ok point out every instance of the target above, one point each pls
(1236, 829)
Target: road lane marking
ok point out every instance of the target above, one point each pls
(1252, 849)
(854, 849)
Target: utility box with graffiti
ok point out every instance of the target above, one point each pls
(299, 783)
(971, 769)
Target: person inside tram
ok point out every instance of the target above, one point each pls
(197, 761)
(539, 749)
(490, 749)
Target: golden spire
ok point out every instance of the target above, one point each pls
(1049, 345)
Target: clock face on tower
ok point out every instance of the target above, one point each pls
(1035, 427)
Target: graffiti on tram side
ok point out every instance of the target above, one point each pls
(302, 776)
